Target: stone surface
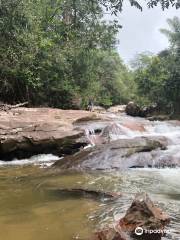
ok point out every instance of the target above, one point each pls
(145, 215)
(110, 234)
(132, 109)
(119, 154)
(26, 131)
(159, 118)
(117, 109)
(135, 110)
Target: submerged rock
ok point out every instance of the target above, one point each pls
(143, 220)
(81, 192)
(119, 154)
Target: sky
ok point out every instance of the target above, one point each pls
(140, 32)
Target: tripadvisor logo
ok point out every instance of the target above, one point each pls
(139, 231)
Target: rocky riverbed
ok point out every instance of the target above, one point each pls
(83, 183)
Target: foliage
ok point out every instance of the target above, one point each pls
(62, 52)
(158, 77)
(52, 52)
(117, 5)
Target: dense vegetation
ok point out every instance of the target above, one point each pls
(62, 53)
(158, 76)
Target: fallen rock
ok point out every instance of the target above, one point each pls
(119, 154)
(28, 131)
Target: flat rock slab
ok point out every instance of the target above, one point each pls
(39, 130)
(119, 154)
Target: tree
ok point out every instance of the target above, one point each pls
(173, 62)
(158, 77)
(116, 6)
(173, 34)
(52, 52)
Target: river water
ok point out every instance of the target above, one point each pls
(31, 208)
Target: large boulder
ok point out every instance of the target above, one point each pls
(118, 154)
(28, 131)
(135, 110)
(132, 109)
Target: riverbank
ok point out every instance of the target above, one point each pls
(25, 132)
(28, 131)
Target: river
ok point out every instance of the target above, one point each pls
(31, 208)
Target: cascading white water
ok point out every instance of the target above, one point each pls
(43, 160)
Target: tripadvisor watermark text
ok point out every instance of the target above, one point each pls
(140, 231)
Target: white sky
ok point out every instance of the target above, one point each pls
(140, 30)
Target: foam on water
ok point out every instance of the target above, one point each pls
(41, 159)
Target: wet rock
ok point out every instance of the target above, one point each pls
(144, 216)
(119, 154)
(132, 109)
(99, 109)
(91, 117)
(143, 220)
(28, 131)
(134, 126)
(113, 131)
(135, 110)
(117, 109)
(110, 234)
(159, 118)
